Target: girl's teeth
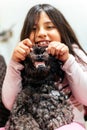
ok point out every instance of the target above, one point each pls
(43, 43)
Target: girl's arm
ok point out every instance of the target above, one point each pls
(12, 84)
(77, 77)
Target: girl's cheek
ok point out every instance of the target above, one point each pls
(32, 38)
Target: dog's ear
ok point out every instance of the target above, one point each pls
(56, 67)
(28, 65)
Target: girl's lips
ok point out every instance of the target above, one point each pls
(43, 43)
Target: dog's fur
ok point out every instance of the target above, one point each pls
(41, 105)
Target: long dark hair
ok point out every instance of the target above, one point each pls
(67, 34)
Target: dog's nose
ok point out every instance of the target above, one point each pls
(40, 57)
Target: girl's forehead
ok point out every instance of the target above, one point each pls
(42, 16)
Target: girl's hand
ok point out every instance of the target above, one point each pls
(60, 50)
(22, 50)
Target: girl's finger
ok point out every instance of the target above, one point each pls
(27, 42)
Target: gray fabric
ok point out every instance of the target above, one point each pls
(2, 71)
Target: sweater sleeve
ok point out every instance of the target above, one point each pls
(77, 77)
(12, 84)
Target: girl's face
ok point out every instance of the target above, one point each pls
(44, 31)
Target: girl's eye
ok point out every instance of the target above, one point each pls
(50, 27)
(34, 29)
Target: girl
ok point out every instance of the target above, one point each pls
(46, 26)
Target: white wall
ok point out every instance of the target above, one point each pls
(13, 12)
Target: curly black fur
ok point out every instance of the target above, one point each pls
(50, 69)
(41, 105)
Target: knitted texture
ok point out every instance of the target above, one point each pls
(4, 113)
(2, 72)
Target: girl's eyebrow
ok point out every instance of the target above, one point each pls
(46, 22)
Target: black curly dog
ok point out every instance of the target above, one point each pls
(41, 105)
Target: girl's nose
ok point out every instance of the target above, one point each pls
(41, 32)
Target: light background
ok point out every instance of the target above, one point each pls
(13, 12)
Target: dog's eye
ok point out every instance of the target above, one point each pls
(42, 51)
(39, 50)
